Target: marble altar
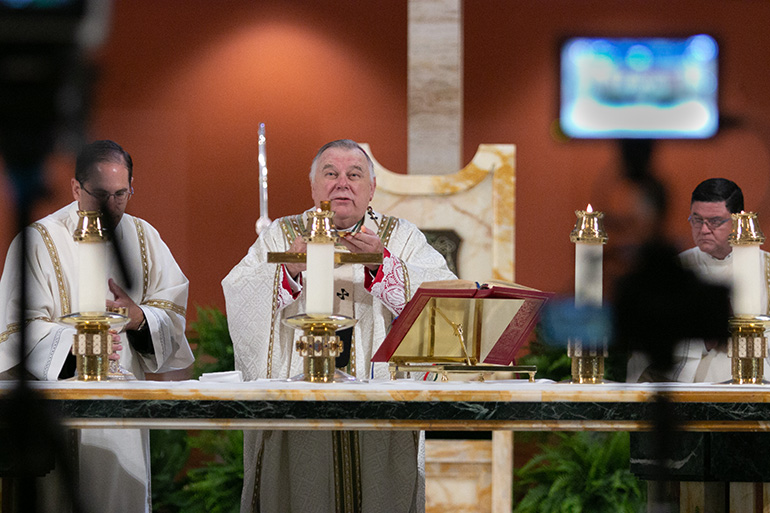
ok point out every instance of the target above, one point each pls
(401, 404)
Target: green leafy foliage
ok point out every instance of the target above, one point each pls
(575, 472)
(169, 453)
(212, 483)
(216, 486)
(550, 359)
(212, 343)
(583, 472)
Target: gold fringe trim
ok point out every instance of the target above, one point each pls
(387, 226)
(54, 254)
(274, 314)
(352, 362)
(143, 251)
(255, 506)
(292, 227)
(347, 471)
(17, 326)
(167, 305)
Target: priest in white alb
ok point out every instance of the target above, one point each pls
(114, 464)
(326, 471)
(697, 360)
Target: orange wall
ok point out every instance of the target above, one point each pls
(511, 95)
(184, 85)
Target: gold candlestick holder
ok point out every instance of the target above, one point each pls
(92, 345)
(587, 357)
(589, 227)
(320, 346)
(748, 345)
(587, 361)
(748, 349)
(746, 230)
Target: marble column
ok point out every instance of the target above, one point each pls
(435, 88)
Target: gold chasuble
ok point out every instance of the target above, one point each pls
(326, 471)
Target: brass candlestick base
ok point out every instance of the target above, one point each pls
(587, 361)
(92, 345)
(748, 349)
(320, 346)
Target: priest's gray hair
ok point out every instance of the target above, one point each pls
(345, 144)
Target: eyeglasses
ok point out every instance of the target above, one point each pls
(712, 222)
(103, 196)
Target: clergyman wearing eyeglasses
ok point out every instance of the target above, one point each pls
(712, 202)
(113, 463)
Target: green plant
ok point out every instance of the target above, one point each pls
(574, 472)
(213, 347)
(211, 484)
(550, 359)
(215, 487)
(169, 453)
(583, 472)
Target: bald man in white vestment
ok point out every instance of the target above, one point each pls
(696, 360)
(325, 471)
(114, 464)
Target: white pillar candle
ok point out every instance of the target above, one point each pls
(588, 274)
(746, 280)
(319, 289)
(92, 277)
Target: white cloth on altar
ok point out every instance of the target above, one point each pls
(692, 361)
(294, 469)
(118, 457)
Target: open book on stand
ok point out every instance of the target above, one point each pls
(462, 326)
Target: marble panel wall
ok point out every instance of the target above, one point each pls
(477, 202)
(435, 86)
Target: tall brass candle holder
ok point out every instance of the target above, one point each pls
(589, 237)
(748, 345)
(748, 349)
(319, 346)
(92, 345)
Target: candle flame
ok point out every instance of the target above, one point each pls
(589, 208)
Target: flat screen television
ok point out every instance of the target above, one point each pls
(639, 88)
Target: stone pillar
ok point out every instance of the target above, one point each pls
(435, 86)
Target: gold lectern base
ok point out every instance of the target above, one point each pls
(443, 370)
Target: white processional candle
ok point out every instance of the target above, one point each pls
(92, 277)
(746, 285)
(588, 274)
(319, 298)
